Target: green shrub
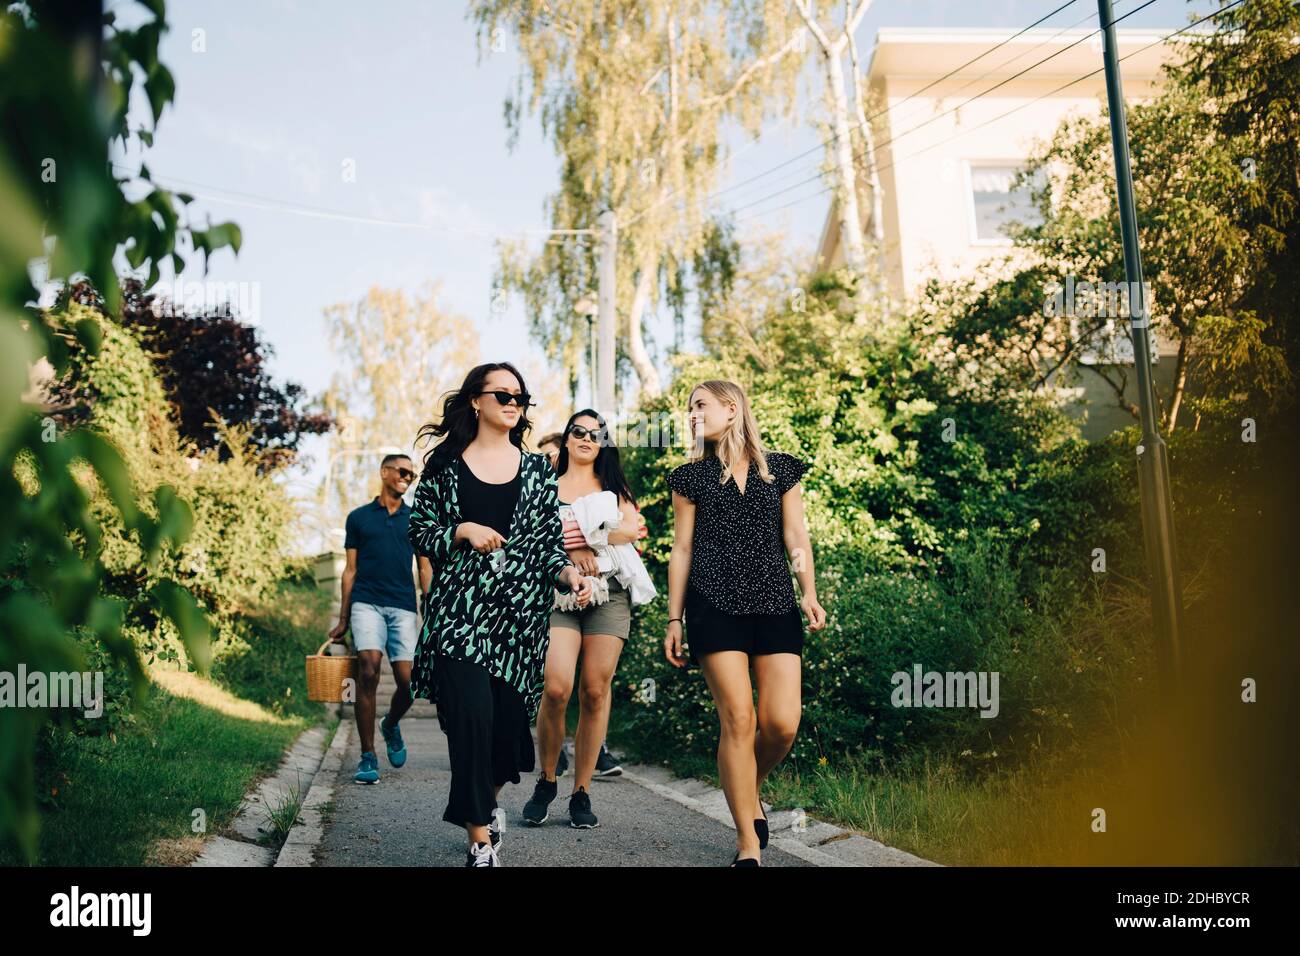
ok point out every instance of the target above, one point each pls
(235, 553)
(957, 534)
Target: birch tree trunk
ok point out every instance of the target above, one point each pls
(852, 239)
(646, 372)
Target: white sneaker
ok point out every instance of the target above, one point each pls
(496, 827)
(483, 854)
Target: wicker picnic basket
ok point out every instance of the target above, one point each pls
(326, 674)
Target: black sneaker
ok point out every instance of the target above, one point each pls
(580, 815)
(562, 764)
(535, 810)
(482, 854)
(606, 765)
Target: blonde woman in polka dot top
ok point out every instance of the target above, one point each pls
(738, 513)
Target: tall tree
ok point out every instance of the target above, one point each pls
(1215, 185)
(396, 354)
(636, 97)
(212, 364)
(834, 43)
(1250, 92)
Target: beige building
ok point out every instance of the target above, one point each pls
(946, 176)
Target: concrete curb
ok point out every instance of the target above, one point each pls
(242, 846)
(305, 836)
(812, 840)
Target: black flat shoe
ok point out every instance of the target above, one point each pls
(748, 861)
(760, 828)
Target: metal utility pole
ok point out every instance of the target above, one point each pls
(591, 359)
(1153, 457)
(587, 308)
(606, 323)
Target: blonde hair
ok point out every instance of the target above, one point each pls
(741, 436)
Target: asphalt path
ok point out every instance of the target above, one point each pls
(398, 821)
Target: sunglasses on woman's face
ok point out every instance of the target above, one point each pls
(578, 432)
(505, 398)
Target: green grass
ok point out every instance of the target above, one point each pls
(281, 817)
(262, 660)
(1164, 804)
(109, 799)
(129, 797)
(937, 812)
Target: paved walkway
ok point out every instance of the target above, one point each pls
(398, 821)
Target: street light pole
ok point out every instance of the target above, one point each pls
(606, 305)
(1153, 456)
(591, 360)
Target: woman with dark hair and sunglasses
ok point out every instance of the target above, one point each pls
(599, 516)
(487, 518)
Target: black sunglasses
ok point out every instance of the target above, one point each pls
(580, 433)
(403, 472)
(505, 398)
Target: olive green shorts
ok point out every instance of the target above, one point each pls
(612, 617)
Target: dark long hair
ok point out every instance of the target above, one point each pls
(607, 466)
(459, 425)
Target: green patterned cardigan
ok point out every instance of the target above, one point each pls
(497, 618)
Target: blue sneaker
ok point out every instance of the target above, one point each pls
(393, 738)
(367, 769)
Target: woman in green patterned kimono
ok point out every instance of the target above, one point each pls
(486, 515)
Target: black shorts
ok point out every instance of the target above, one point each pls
(709, 629)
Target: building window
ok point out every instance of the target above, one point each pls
(1108, 344)
(995, 204)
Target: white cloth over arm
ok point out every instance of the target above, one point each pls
(597, 515)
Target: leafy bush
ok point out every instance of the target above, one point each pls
(235, 553)
(955, 533)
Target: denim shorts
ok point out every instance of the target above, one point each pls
(392, 630)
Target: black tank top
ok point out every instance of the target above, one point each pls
(486, 503)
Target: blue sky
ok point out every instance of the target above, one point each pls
(286, 91)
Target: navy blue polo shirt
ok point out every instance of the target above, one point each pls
(384, 556)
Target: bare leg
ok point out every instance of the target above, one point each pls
(779, 710)
(600, 654)
(479, 834)
(727, 674)
(401, 702)
(368, 663)
(561, 662)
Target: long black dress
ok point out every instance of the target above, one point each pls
(485, 718)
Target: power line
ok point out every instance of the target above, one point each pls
(874, 116)
(859, 155)
(965, 86)
(254, 201)
(1023, 53)
(651, 208)
(1009, 112)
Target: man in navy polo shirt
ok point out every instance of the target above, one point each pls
(378, 606)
